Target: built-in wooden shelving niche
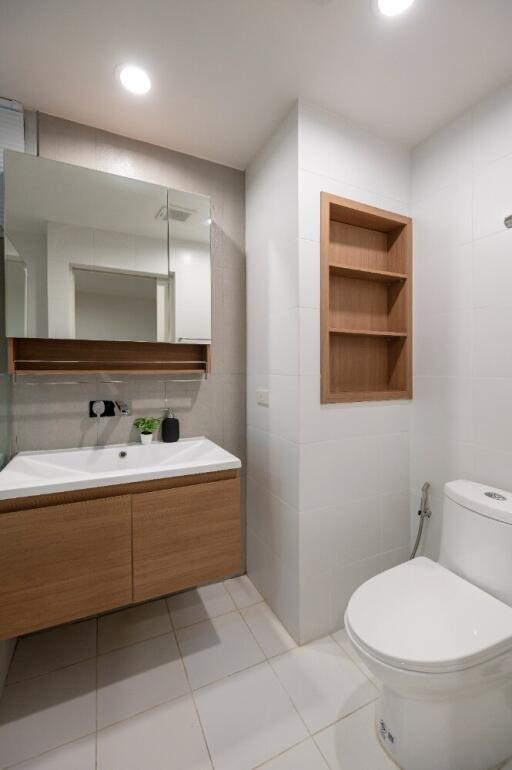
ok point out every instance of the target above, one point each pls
(28, 356)
(366, 263)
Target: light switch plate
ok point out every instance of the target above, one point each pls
(262, 396)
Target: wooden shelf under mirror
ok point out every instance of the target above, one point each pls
(366, 272)
(30, 356)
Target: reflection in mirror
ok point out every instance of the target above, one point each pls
(90, 255)
(127, 306)
(189, 262)
(16, 291)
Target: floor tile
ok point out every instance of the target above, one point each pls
(248, 719)
(79, 755)
(45, 712)
(216, 648)
(135, 678)
(342, 639)
(134, 624)
(353, 743)
(323, 682)
(50, 650)
(200, 604)
(305, 756)
(243, 592)
(270, 633)
(168, 737)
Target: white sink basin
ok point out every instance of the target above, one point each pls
(61, 470)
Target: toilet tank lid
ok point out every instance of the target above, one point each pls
(481, 498)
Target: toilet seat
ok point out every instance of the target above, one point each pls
(421, 617)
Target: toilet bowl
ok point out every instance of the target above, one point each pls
(440, 643)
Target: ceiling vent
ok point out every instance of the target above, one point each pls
(12, 137)
(174, 213)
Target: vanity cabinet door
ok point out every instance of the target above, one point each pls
(64, 562)
(185, 536)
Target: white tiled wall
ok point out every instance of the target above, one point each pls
(337, 481)
(354, 459)
(461, 192)
(273, 363)
(328, 485)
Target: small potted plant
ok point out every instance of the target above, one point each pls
(146, 426)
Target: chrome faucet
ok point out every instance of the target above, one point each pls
(123, 407)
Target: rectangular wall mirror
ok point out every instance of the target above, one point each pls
(98, 256)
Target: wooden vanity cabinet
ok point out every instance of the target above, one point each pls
(184, 537)
(88, 551)
(64, 562)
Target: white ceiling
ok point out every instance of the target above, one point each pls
(224, 72)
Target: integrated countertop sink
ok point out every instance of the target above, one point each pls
(63, 470)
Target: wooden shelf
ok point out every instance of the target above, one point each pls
(368, 333)
(366, 260)
(31, 356)
(365, 274)
(365, 395)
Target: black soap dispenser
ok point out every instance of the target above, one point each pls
(170, 428)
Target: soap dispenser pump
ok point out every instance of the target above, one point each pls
(170, 427)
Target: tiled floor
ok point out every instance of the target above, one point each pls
(205, 680)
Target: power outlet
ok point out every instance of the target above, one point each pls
(262, 396)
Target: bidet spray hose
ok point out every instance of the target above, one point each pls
(424, 513)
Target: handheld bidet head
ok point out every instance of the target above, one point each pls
(508, 222)
(424, 510)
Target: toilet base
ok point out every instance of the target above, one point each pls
(473, 732)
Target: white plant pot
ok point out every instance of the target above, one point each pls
(146, 438)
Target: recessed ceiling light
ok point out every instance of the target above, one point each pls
(392, 7)
(134, 79)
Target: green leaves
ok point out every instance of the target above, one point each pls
(147, 424)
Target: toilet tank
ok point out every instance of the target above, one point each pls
(476, 537)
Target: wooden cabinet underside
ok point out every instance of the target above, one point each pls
(76, 554)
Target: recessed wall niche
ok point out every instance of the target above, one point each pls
(365, 306)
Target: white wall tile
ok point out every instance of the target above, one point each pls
(492, 270)
(493, 466)
(492, 200)
(330, 471)
(493, 126)
(445, 159)
(309, 325)
(492, 356)
(442, 278)
(280, 416)
(443, 345)
(492, 413)
(309, 273)
(439, 460)
(394, 463)
(443, 407)
(395, 531)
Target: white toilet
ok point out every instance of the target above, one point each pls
(438, 637)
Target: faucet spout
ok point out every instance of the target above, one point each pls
(123, 407)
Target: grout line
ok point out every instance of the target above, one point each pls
(281, 753)
(48, 751)
(51, 671)
(355, 661)
(143, 711)
(90, 657)
(345, 716)
(194, 702)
